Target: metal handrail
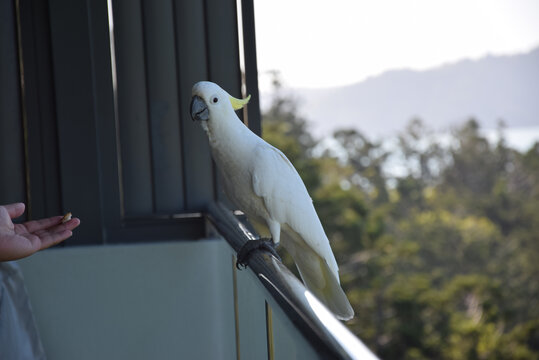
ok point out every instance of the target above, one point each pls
(327, 335)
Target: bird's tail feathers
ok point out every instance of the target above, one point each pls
(321, 281)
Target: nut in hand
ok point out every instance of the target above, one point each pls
(66, 217)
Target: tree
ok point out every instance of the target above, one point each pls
(439, 261)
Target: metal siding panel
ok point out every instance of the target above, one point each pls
(105, 118)
(75, 110)
(12, 182)
(45, 113)
(163, 104)
(192, 59)
(132, 108)
(251, 72)
(42, 132)
(223, 53)
(224, 64)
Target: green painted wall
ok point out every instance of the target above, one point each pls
(168, 300)
(152, 301)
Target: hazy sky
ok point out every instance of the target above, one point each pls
(329, 43)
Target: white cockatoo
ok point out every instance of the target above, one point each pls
(262, 182)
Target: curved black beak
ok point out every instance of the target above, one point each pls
(199, 110)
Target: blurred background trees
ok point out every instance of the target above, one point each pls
(440, 261)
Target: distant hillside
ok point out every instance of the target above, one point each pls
(489, 89)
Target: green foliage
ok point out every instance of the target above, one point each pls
(439, 263)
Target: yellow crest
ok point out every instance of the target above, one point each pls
(239, 103)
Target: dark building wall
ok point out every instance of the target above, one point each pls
(12, 171)
(94, 111)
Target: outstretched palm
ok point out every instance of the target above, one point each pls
(21, 240)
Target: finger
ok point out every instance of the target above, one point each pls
(52, 238)
(37, 225)
(71, 224)
(15, 210)
(68, 225)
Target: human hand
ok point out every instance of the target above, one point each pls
(20, 240)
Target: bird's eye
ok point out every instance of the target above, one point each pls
(215, 100)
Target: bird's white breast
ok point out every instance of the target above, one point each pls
(234, 161)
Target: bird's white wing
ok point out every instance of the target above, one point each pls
(287, 201)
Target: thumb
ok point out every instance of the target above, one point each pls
(15, 210)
